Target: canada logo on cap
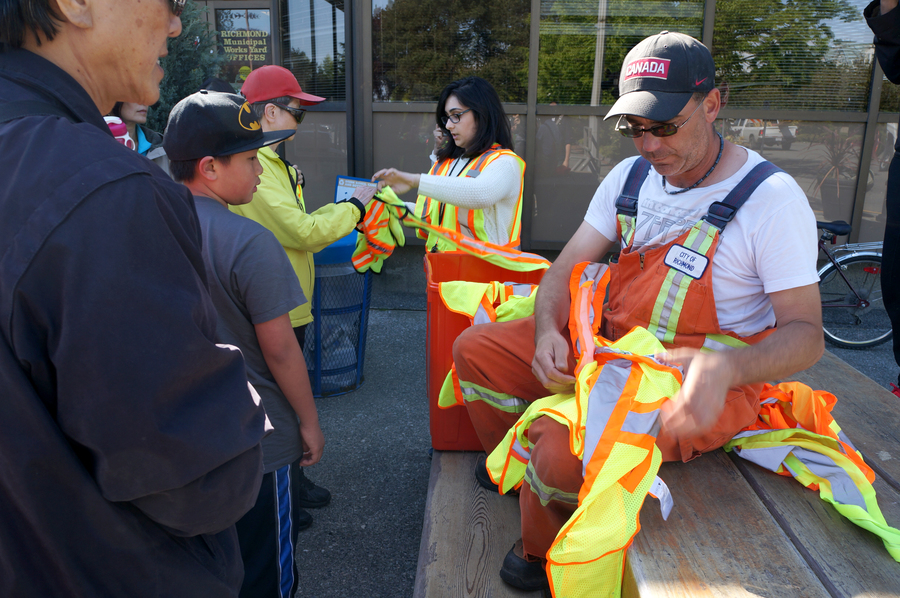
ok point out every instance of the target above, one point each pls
(657, 68)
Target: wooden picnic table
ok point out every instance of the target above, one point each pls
(736, 530)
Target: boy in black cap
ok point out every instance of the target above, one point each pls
(212, 140)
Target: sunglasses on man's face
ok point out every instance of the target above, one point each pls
(663, 130)
(177, 7)
(297, 113)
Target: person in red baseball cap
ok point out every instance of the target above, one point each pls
(277, 99)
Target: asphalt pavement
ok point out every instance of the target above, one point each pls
(377, 459)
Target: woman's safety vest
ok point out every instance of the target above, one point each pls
(454, 218)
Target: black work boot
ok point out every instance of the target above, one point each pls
(310, 495)
(523, 574)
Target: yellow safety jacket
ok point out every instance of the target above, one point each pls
(450, 217)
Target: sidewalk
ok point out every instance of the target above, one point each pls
(376, 461)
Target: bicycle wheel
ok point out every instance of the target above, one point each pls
(846, 324)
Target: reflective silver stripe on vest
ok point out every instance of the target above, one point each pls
(510, 405)
(714, 345)
(481, 316)
(602, 401)
(521, 450)
(845, 440)
(843, 489)
(642, 423)
(519, 289)
(546, 493)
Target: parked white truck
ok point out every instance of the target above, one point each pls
(757, 132)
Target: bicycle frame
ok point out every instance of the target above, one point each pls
(843, 252)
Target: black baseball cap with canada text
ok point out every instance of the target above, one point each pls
(660, 74)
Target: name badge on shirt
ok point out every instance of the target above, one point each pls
(686, 261)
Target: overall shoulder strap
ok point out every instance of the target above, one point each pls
(722, 212)
(627, 202)
(14, 110)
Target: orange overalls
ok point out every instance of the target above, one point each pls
(667, 290)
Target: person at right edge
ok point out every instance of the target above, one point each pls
(129, 439)
(690, 269)
(883, 19)
(277, 99)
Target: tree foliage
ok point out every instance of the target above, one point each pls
(192, 58)
(784, 54)
(422, 45)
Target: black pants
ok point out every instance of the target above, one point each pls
(268, 537)
(890, 262)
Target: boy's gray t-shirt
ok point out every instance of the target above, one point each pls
(251, 281)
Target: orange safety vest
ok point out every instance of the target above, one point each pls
(451, 217)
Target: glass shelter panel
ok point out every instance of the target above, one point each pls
(793, 55)
(823, 157)
(573, 154)
(419, 46)
(319, 150)
(873, 218)
(313, 46)
(583, 43)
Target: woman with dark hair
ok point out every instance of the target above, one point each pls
(147, 142)
(475, 185)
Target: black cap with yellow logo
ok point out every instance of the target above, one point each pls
(211, 123)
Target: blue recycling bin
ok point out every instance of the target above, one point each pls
(335, 343)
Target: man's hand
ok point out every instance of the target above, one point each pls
(551, 363)
(300, 180)
(313, 443)
(399, 181)
(697, 406)
(364, 194)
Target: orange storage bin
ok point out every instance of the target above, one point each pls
(451, 429)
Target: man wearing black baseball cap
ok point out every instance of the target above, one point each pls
(212, 140)
(717, 246)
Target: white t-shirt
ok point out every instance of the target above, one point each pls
(771, 245)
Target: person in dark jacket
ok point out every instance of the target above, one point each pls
(883, 18)
(129, 440)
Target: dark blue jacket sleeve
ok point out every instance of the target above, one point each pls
(887, 38)
(160, 415)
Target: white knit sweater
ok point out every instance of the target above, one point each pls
(495, 191)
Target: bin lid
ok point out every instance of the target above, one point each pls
(338, 252)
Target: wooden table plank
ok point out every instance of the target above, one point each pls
(704, 549)
(466, 534)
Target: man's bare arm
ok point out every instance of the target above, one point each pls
(285, 360)
(551, 309)
(796, 344)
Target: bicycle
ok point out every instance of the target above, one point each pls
(853, 314)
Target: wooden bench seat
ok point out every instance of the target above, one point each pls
(736, 530)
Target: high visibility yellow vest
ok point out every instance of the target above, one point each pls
(795, 435)
(449, 216)
(482, 303)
